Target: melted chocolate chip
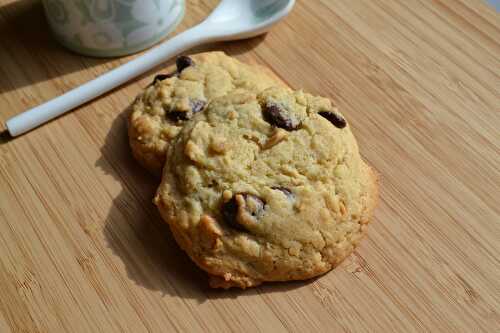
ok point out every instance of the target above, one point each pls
(278, 116)
(285, 191)
(196, 106)
(242, 209)
(334, 118)
(161, 77)
(183, 62)
(178, 115)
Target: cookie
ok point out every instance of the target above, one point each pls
(267, 188)
(159, 113)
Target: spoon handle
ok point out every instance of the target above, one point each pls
(41, 114)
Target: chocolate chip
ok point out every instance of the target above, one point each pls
(183, 62)
(278, 116)
(285, 191)
(178, 115)
(242, 209)
(196, 106)
(334, 118)
(161, 77)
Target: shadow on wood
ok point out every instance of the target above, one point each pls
(33, 42)
(5, 137)
(134, 230)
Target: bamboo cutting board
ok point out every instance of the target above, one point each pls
(82, 248)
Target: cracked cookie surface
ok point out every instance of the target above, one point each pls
(254, 195)
(159, 113)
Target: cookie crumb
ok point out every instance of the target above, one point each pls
(194, 152)
(277, 136)
(232, 115)
(227, 195)
(210, 232)
(219, 145)
(343, 209)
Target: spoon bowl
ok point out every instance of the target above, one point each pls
(231, 20)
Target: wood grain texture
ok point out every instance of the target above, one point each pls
(82, 248)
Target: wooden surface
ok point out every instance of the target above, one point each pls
(82, 248)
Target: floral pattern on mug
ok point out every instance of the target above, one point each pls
(104, 36)
(112, 27)
(143, 12)
(102, 10)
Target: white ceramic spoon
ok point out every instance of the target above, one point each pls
(231, 20)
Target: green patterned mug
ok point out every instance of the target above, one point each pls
(108, 28)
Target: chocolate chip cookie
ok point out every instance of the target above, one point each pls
(267, 188)
(160, 112)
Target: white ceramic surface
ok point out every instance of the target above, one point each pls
(107, 28)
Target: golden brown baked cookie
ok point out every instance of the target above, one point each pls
(160, 112)
(266, 188)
